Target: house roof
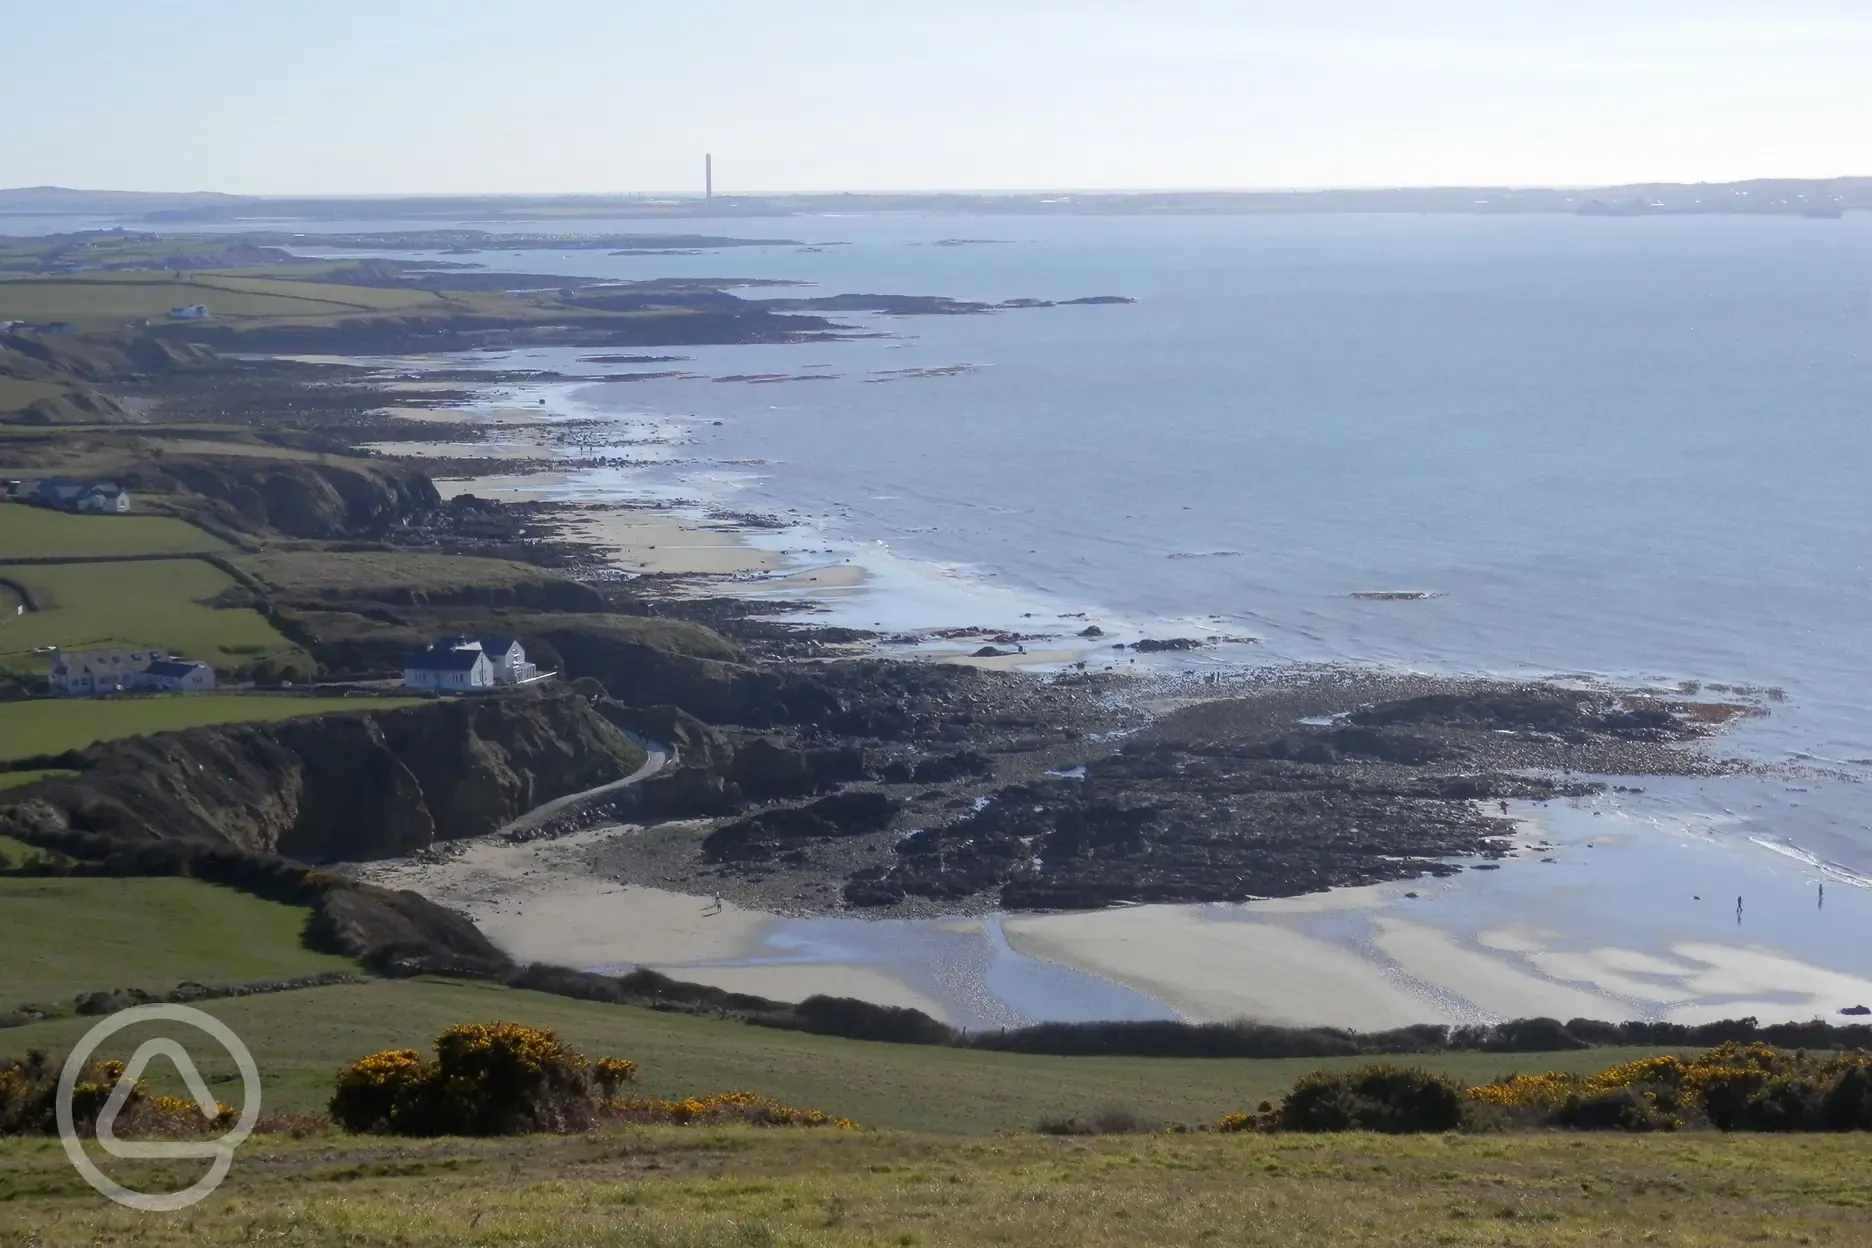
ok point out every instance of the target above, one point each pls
(444, 659)
(497, 645)
(174, 667)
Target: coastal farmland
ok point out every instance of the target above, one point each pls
(363, 574)
(711, 1188)
(51, 726)
(162, 603)
(99, 301)
(42, 533)
(68, 936)
(300, 1037)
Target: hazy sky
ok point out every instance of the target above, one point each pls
(282, 96)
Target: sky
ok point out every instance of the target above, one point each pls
(410, 96)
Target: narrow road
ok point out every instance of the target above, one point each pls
(658, 757)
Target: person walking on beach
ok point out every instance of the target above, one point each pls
(1738, 909)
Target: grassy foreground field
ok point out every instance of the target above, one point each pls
(161, 603)
(67, 936)
(697, 1188)
(301, 1038)
(52, 726)
(41, 533)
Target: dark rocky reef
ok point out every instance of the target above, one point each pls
(354, 786)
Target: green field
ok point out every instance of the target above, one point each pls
(51, 726)
(19, 779)
(300, 1037)
(96, 300)
(13, 852)
(41, 533)
(16, 395)
(67, 936)
(700, 1188)
(86, 606)
(365, 573)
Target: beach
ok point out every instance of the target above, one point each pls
(1614, 932)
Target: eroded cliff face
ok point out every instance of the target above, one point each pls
(298, 498)
(350, 786)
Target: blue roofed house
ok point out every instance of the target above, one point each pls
(178, 676)
(453, 665)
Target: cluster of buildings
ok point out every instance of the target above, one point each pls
(86, 673)
(452, 665)
(67, 494)
(469, 665)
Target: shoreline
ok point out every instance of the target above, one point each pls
(1473, 949)
(1271, 962)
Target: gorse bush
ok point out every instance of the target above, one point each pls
(1396, 1100)
(29, 1102)
(507, 1079)
(486, 1079)
(721, 1108)
(1733, 1087)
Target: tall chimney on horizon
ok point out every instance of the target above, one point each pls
(708, 177)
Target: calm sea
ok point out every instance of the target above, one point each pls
(1633, 448)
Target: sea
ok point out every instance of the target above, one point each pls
(1631, 450)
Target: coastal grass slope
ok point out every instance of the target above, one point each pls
(698, 1188)
(165, 604)
(300, 1038)
(42, 533)
(28, 729)
(69, 936)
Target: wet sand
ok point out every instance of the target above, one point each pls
(1478, 947)
(539, 902)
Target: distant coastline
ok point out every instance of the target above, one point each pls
(1807, 197)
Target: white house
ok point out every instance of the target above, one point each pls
(509, 660)
(178, 676)
(100, 499)
(458, 665)
(96, 497)
(192, 312)
(83, 673)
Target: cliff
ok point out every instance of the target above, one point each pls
(300, 498)
(354, 786)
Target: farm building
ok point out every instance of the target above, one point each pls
(191, 312)
(94, 497)
(83, 673)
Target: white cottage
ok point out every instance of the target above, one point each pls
(454, 666)
(82, 673)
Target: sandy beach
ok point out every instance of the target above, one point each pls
(539, 903)
(653, 541)
(1573, 937)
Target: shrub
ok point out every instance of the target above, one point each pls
(1734, 1087)
(1106, 1120)
(506, 1079)
(29, 1098)
(723, 1107)
(1393, 1099)
(486, 1079)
